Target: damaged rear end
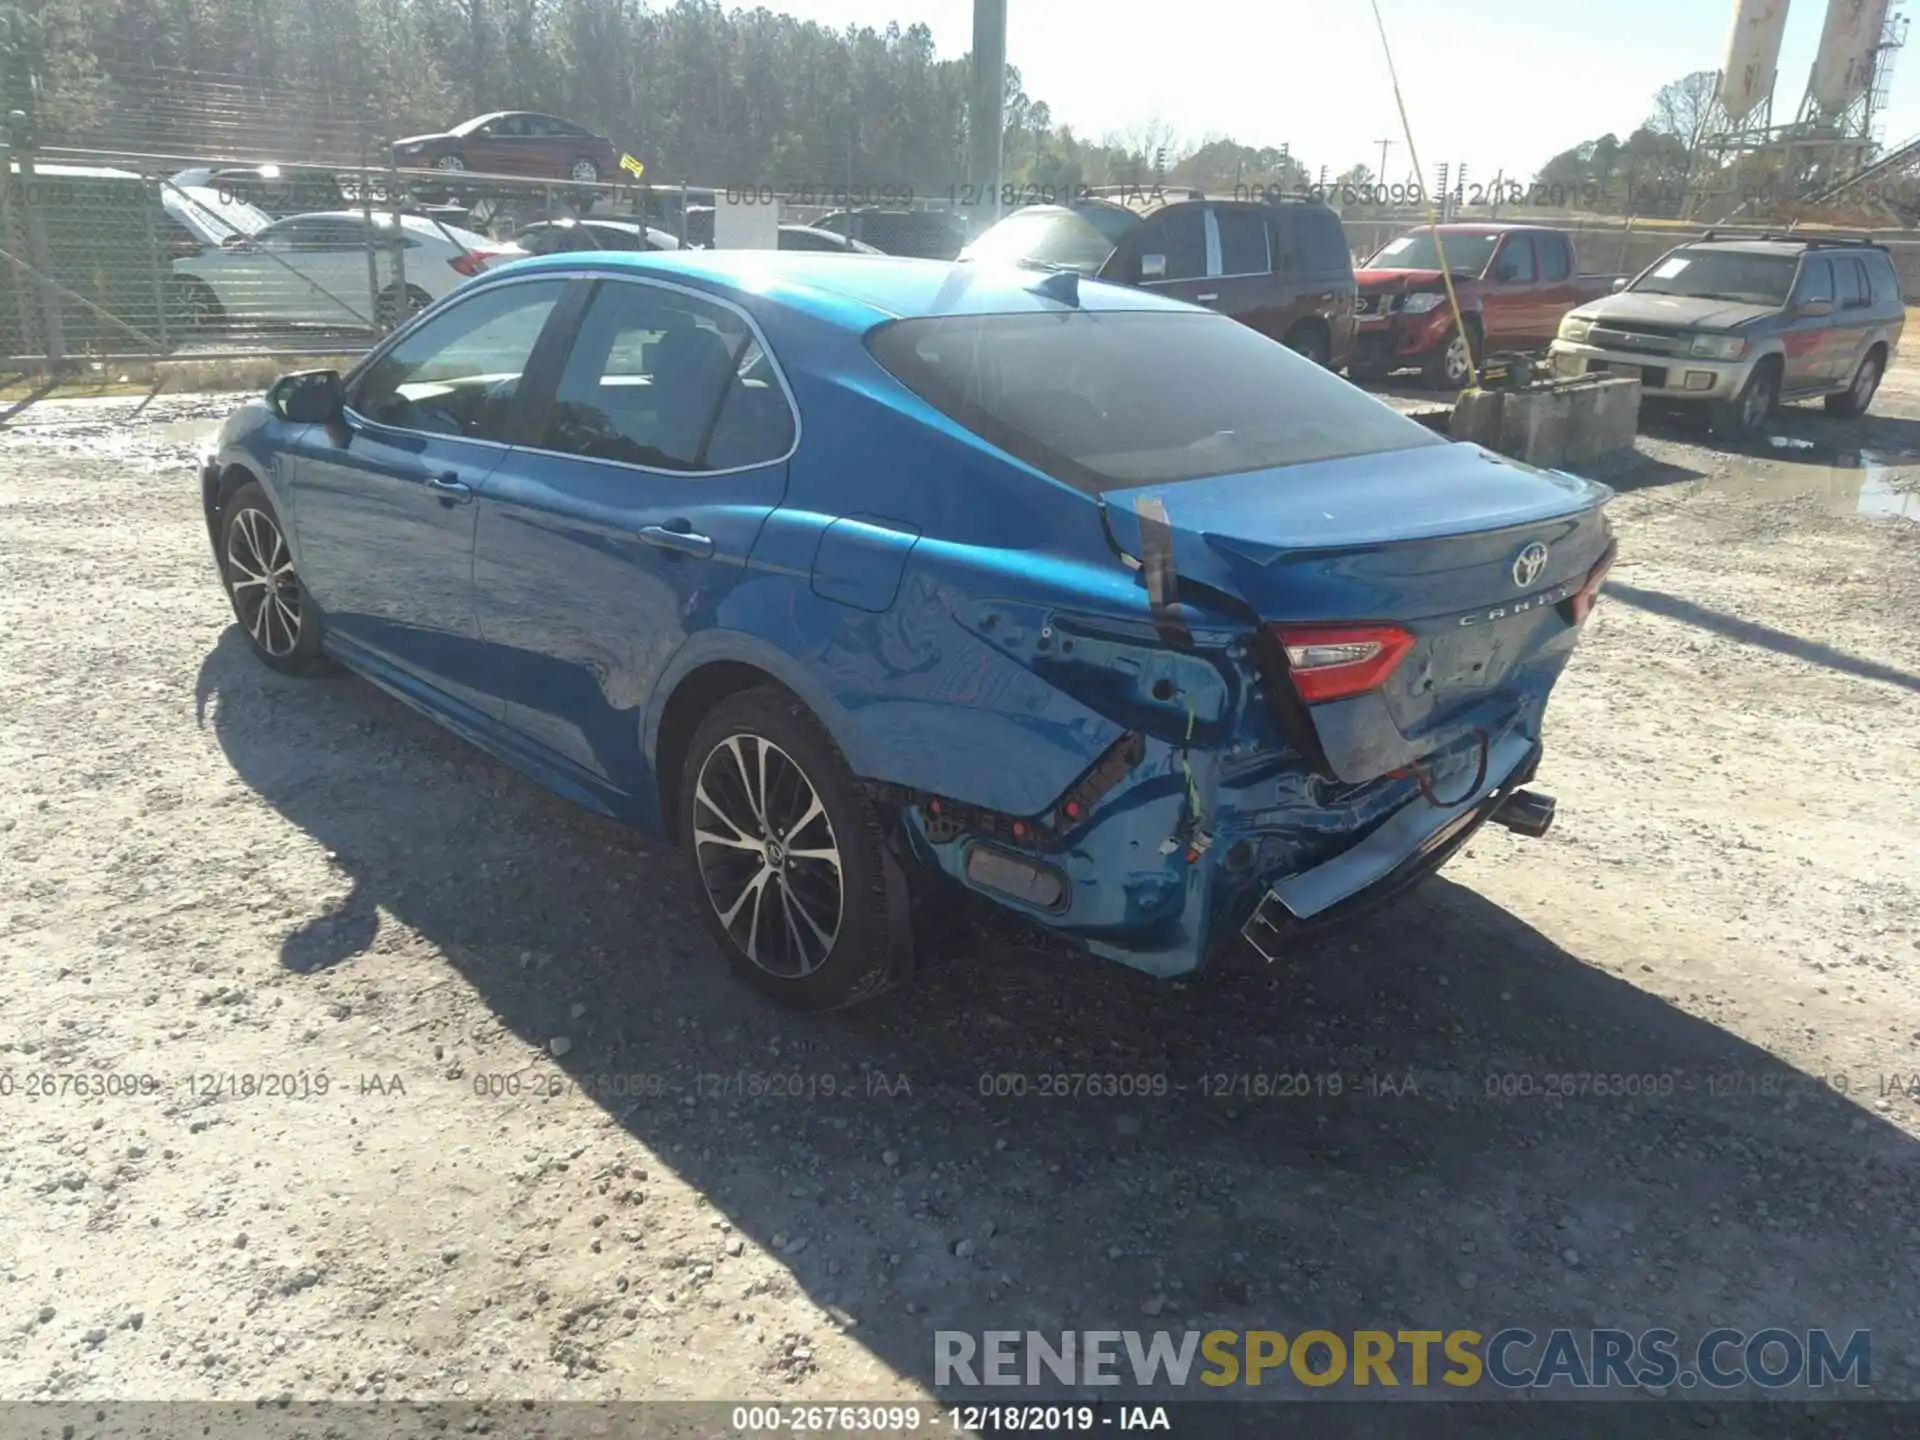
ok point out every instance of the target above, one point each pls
(1332, 661)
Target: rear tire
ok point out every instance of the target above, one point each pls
(192, 305)
(789, 856)
(1854, 400)
(278, 617)
(1310, 341)
(1742, 417)
(390, 310)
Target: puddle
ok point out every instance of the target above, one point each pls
(1877, 485)
(181, 432)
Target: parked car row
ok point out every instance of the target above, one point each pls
(1737, 326)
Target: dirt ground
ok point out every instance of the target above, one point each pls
(425, 1084)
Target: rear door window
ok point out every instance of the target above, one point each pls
(659, 379)
(1243, 241)
(1851, 282)
(1106, 400)
(1556, 256)
(1318, 243)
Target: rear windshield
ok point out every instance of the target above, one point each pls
(1106, 400)
(1721, 275)
(1069, 238)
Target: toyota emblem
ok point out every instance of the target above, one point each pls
(1528, 565)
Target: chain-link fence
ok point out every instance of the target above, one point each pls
(114, 255)
(125, 256)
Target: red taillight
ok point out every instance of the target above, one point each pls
(1331, 662)
(471, 263)
(1580, 605)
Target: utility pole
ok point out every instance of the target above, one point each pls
(989, 108)
(1382, 176)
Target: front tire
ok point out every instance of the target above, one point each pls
(1854, 400)
(1741, 417)
(1450, 366)
(279, 618)
(788, 855)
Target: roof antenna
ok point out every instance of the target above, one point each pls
(1062, 285)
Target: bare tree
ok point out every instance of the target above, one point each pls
(1681, 108)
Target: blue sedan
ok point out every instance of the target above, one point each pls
(876, 584)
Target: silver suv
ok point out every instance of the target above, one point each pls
(1741, 325)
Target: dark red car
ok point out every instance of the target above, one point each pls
(514, 142)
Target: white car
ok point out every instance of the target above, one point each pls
(312, 269)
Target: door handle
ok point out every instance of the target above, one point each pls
(450, 488)
(1208, 299)
(684, 542)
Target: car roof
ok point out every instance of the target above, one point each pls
(856, 292)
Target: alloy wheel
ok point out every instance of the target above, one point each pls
(585, 172)
(1457, 366)
(449, 162)
(266, 594)
(768, 857)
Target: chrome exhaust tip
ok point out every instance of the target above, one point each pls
(1526, 812)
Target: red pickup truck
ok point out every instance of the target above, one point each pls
(1513, 282)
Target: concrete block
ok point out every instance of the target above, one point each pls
(1562, 423)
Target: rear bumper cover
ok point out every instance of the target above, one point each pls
(1414, 843)
(1130, 886)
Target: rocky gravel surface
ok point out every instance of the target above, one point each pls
(336, 1060)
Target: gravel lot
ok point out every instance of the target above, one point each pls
(560, 1154)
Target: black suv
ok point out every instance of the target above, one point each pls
(1281, 267)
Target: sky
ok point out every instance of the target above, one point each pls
(1500, 85)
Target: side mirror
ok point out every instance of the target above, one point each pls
(310, 397)
(1813, 309)
(1153, 267)
(1619, 284)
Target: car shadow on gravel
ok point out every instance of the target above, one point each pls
(1751, 632)
(1438, 1118)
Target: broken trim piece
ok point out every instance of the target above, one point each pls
(1156, 568)
(948, 819)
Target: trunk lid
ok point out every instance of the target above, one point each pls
(1475, 558)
